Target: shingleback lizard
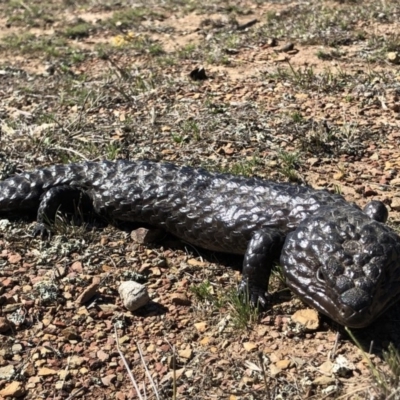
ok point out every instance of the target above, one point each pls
(340, 259)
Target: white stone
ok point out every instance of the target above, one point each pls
(133, 295)
(7, 372)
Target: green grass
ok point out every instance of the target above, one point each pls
(323, 55)
(337, 189)
(50, 47)
(187, 51)
(316, 23)
(128, 18)
(79, 30)
(20, 13)
(112, 151)
(129, 83)
(307, 79)
(288, 164)
(27, 43)
(155, 49)
(243, 313)
(317, 139)
(390, 382)
(138, 42)
(166, 60)
(387, 382)
(178, 139)
(245, 168)
(297, 117)
(203, 291)
(190, 127)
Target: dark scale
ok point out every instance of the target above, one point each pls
(336, 257)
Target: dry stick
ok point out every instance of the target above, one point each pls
(147, 371)
(27, 8)
(374, 371)
(335, 346)
(371, 346)
(351, 392)
(79, 391)
(393, 395)
(194, 248)
(82, 108)
(174, 374)
(71, 151)
(260, 357)
(126, 365)
(66, 370)
(173, 370)
(144, 390)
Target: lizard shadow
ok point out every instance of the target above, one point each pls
(375, 338)
(161, 238)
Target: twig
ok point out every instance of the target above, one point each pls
(79, 391)
(247, 25)
(147, 371)
(173, 370)
(195, 249)
(66, 370)
(126, 364)
(27, 8)
(71, 151)
(335, 345)
(264, 375)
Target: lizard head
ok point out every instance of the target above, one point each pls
(344, 264)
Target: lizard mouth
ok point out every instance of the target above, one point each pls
(347, 315)
(355, 319)
(333, 306)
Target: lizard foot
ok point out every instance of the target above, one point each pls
(41, 230)
(257, 296)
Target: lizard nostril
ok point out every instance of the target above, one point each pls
(320, 275)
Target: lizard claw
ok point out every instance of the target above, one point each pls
(256, 295)
(41, 230)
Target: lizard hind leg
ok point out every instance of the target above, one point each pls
(68, 199)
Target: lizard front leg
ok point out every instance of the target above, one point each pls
(262, 252)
